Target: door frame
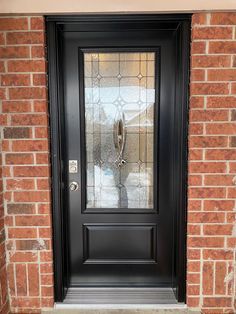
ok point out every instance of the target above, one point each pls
(181, 23)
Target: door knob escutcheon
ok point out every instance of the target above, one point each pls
(73, 186)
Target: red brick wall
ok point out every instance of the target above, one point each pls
(25, 159)
(212, 166)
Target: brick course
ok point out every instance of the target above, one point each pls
(212, 176)
(24, 120)
(26, 170)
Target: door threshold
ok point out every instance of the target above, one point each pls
(136, 307)
(120, 296)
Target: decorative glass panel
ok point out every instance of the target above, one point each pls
(119, 119)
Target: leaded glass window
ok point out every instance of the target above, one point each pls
(119, 129)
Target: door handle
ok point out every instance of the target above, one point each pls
(74, 186)
(120, 139)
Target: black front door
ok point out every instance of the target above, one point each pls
(119, 105)
(120, 148)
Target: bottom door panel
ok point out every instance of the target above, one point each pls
(119, 243)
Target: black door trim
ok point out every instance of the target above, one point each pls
(54, 25)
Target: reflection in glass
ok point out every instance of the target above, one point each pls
(119, 119)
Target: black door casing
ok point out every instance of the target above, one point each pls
(164, 226)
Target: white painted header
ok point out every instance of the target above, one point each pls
(112, 6)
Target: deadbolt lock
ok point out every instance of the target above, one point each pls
(74, 186)
(73, 166)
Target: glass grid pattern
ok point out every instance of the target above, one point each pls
(119, 129)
